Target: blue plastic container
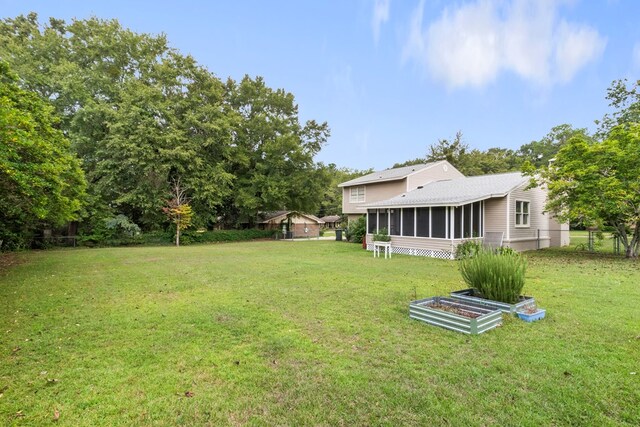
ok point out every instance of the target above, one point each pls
(532, 317)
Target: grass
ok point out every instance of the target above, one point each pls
(306, 333)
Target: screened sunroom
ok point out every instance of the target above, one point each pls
(436, 222)
(433, 219)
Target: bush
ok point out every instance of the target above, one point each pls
(357, 230)
(505, 250)
(121, 226)
(186, 238)
(225, 236)
(113, 231)
(158, 238)
(499, 277)
(382, 236)
(468, 249)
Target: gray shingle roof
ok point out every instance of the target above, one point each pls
(387, 175)
(331, 218)
(457, 191)
(270, 216)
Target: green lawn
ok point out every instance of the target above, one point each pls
(306, 333)
(580, 241)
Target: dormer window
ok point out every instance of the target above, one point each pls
(357, 194)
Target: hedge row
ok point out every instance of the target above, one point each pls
(189, 237)
(224, 236)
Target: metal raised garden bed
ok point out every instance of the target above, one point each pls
(467, 295)
(486, 318)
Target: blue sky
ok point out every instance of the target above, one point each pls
(392, 77)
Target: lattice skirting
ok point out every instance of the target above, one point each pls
(432, 253)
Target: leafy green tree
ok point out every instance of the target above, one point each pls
(273, 153)
(596, 183)
(416, 161)
(170, 124)
(471, 162)
(626, 102)
(40, 181)
(539, 153)
(494, 160)
(357, 230)
(331, 202)
(88, 70)
(454, 151)
(138, 113)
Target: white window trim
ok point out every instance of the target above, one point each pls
(527, 224)
(358, 198)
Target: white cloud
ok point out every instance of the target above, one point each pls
(462, 47)
(577, 46)
(380, 16)
(471, 44)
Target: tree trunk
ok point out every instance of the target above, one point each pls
(631, 248)
(624, 239)
(634, 245)
(178, 233)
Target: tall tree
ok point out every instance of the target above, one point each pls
(40, 181)
(416, 161)
(625, 100)
(139, 114)
(454, 151)
(596, 183)
(331, 202)
(273, 153)
(171, 123)
(539, 153)
(472, 162)
(494, 160)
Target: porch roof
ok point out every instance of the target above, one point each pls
(456, 192)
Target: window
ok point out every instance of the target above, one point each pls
(522, 213)
(422, 220)
(373, 221)
(476, 231)
(407, 221)
(439, 222)
(382, 220)
(457, 223)
(466, 227)
(394, 218)
(357, 194)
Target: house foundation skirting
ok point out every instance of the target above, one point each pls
(430, 253)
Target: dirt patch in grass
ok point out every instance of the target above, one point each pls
(9, 260)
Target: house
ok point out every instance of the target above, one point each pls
(434, 218)
(332, 221)
(389, 183)
(296, 223)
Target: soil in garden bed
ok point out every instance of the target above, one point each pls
(455, 310)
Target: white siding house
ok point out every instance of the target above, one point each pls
(383, 185)
(434, 218)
